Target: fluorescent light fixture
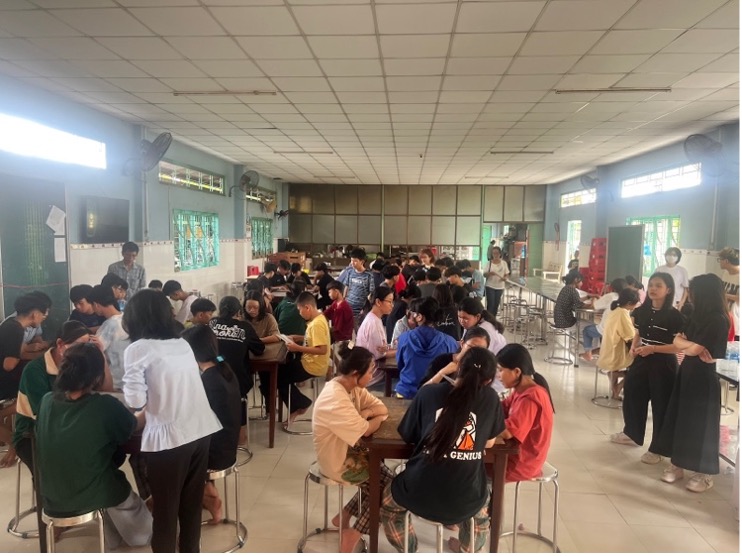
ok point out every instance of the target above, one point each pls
(303, 152)
(27, 138)
(522, 151)
(615, 90)
(336, 177)
(255, 92)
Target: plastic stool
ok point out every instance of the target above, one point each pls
(287, 426)
(240, 528)
(74, 521)
(438, 533)
(554, 356)
(15, 522)
(315, 476)
(549, 474)
(604, 401)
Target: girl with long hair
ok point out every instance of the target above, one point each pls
(618, 332)
(529, 412)
(344, 412)
(651, 377)
(448, 321)
(690, 433)
(445, 479)
(471, 314)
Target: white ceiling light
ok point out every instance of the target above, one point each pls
(216, 93)
(615, 90)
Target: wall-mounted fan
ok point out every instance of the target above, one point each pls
(707, 151)
(248, 182)
(589, 182)
(151, 152)
(281, 213)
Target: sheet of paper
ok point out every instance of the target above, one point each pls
(55, 220)
(60, 250)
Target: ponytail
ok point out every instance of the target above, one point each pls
(476, 370)
(541, 381)
(353, 359)
(205, 348)
(615, 305)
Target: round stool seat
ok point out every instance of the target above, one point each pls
(548, 473)
(74, 521)
(316, 476)
(240, 528)
(604, 401)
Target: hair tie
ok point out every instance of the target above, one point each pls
(351, 344)
(477, 365)
(219, 359)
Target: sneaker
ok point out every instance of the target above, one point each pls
(699, 483)
(621, 438)
(672, 474)
(651, 458)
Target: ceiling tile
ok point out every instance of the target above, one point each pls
(35, 23)
(75, 48)
(414, 46)
(728, 63)
(470, 83)
(140, 48)
(169, 68)
(365, 97)
(302, 84)
(464, 96)
(290, 68)
(111, 68)
(589, 81)
(344, 47)
(484, 45)
(654, 79)
(675, 62)
(488, 17)
(726, 17)
(704, 80)
(104, 22)
(207, 48)
(256, 20)
(609, 63)
(705, 40)
(559, 43)
(577, 15)
(477, 66)
(413, 96)
(180, 21)
(527, 82)
(312, 97)
(335, 20)
(351, 67)
(271, 48)
(656, 14)
(413, 83)
(182, 84)
(357, 83)
(141, 85)
(635, 42)
(414, 66)
(412, 19)
(228, 68)
(523, 65)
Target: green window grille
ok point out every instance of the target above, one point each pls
(196, 239)
(262, 237)
(660, 233)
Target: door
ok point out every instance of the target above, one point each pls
(27, 247)
(574, 235)
(625, 252)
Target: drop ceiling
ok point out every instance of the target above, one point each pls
(391, 91)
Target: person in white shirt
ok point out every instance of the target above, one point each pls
(174, 291)
(678, 273)
(595, 331)
(729, 262)
(111, 333)
(162, 378)
(372, 334)
(496, 274)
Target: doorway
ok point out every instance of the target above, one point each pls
(574, 233)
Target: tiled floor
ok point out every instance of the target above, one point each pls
(609, 500)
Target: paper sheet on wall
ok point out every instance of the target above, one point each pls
(60, 250)
(55, 220)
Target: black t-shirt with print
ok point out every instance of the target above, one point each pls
(236, 340)
(454, 489)
(11, 341)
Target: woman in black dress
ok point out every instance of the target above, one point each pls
(690, 434)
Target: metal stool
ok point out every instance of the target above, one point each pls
(74, 521)
(507, 309)
(438, 533)
(548, 475)
(287, 425)
(315, 476)
(725, 409)
(554, 356)
(240, 528)
(15, 522)
(604, 401)
(519, 308)
(246, 448)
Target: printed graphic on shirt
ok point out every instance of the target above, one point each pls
(468, 434)
(447, 320)
(228, 332)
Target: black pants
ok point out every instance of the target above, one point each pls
(288, 374)
(648, 379)
(493, 299)
(177, 479)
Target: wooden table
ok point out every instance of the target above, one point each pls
(387, 444)
(268, 362)
(391, 371)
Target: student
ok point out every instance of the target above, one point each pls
(287, 314)
(432, 278)
(175, 292)
(496, 275)
(427, 258)
(155, 285)
(595, 331)
(371, 334)
(31, 311)
(445, 479)
(453, 276)
(447, 364)
(359, 283)
(618, 332)
(202, 310)
(236, 339)
(34, 344)
(568, 301)
(119, 286)
(315, 357)
(78, 431)
(161, 376)
(340, 313)
(260, 285)
(129, 270)
(477, 278)
(679, 275)
(279, 279)
(417, 348)
(637, 286)
(651, 376)
(413, 263)
(471, 314)
(111, 335)
(322, 279)
(490, 248)
(399, 310)
(223, 393)
(404, 324)
(444, 262)
(344, 412)
(297, 272)
(266, 278)
(729, 262)
(690, 432)
(393, 278)
(529, 412)
(574, 263)
(376, 267)
(264, 323)
(83, 312)
(448, 321)
(418, 277)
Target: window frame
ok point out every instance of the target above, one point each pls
(205, 188)
(656, 181)
(577, 196)
(205, 244)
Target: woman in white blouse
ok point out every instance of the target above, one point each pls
(161, 376)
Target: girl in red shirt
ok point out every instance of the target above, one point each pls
(529, 412)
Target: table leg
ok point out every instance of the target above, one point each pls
(577, 345)
(272, 405)
(387, 384)
(498, 493)
(374, 493)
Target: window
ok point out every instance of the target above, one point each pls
(584, 197)
(170, 173)
(196, 239)
(28, 138)
(574, 233)
(671, 179)
(660, 232)
(262, 237)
